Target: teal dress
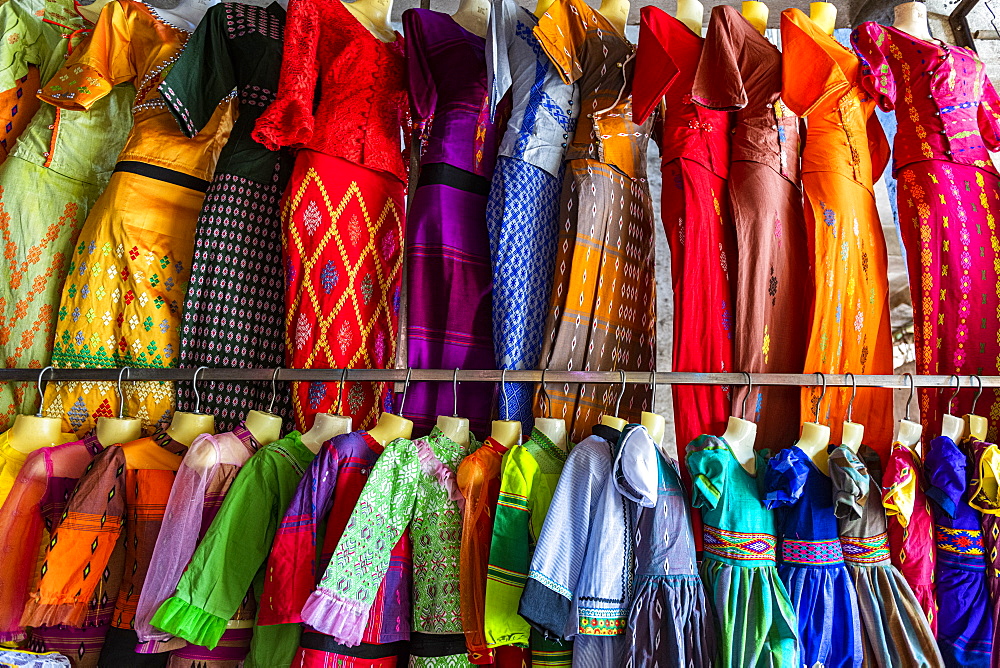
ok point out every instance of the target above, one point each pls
(757, 625)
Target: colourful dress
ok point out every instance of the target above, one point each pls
(694, 161)
(948, 116)
(986, 499)
(342, 101)
(740, 71)
(602, 312)
(121, 305)
(522, 212)
(964, 621)
(894, 629)
(18, 107)
(412, 485)
(670, 622)
(233, 314)
(48, 183)
(12, 459)
(910, 526)
(528, 480)
(228, 564)
(812, 561)
(757, 626)
(449, 321)
(845, 152)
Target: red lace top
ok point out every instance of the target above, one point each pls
(342, 91)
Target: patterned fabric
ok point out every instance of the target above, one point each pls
(811, 552)
(986, 499)
(19, 659)
(17, 107)
(343, 237)
(229, 562)
(236, 272)
(730, 498)
(960, 541)
(871, 550)
(413, 486)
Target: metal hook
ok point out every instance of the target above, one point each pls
(274, 390)
(406, 386)
(503, 392)
(194, 386)
(854, 393)
(819, 401)
(41, 390)
(745, 396)
(121, 393)
(906, 415)
(620, 394)
(340, 392)
(454, 392)
(978, 393)
(958, 386)
(652, 388)
(547, 406)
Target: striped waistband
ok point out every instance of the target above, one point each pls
(870, 550)
(739, 546)
(442, 174)
(162, 174)
(960, 547)
(812, 552)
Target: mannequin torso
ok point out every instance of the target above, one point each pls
(473, 15)
(507, 432)
(93, 10)
(555, 430)
(374, 16)
(325, 426)
(185, 427)
(815, 442)
(31, 432)
(455, 428)
(655, 425)
(853, 434)
(953, 427)
(265, 427)
(911, 18)
(740, 436)
(613, 422)
(542, 6)
(824, 14)
(908, 433)
(616, 12)
(390, 427)
(187, 14)
(756, 13)
(975, 426)
(112, 431)
(692, 14)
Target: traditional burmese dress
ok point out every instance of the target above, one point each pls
(845, 152)
(522, 212)
(812, 561)
(228, 564)
(234, 311)
(12, 459)
(528, 480)
(48, 183)
(894, 629)
(694, 153)
(948, 115)
(740, 71)
(986, 499)
(412, 485)
(121, 304)
(964, 622)
(341, 100)
(670, 622)
(602, 312)
(757, 626)
(449, 321)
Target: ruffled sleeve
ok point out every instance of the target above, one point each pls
(986, 493)
(655, 69)
(871, 42)
(706, 460)
(809, 74)
(945, 466)
(561, 31)
(785, 478)
(850, 483)
(718, 83)
(899, 483)
(989, 116)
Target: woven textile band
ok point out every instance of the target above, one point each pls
(812, 552)
(871, 550)
(739, 546)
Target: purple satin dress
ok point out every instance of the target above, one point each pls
(449, 276)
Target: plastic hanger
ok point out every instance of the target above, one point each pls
(454, 427)
(651, 420)
(265, 426)
(907, 432)
(852, 433)
(507, 432)
(185, 427)
(31, 432)
(975, 425)
(742, 433)
(815, 437)
(553, 428)
(614, 421)
(952, 426)
(389, 426)
(121, 429)
(328, 425)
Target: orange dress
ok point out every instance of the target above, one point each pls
(845, 151)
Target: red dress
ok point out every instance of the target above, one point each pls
(342, 99)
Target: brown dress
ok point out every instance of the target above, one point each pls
(740, 71)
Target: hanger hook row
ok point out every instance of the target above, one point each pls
(909, 399)
(958, 387)
(854, 394)
(406, 386)
(747, 395)
(618, 403)
(41, 389)
(822, 395)
(194, 386)
(121, 392)
(979, 393)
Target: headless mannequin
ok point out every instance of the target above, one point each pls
(456, 428)
(815, 442)
(473, 15)
(655, 425)
(975, 426)
(853, 434)
(616, 12)
(264, 427)
(953, 427)
(507, 432)
(542, 6)
(112, 431)
(824, 14)
(325, 426)
(756, 13)
(740, 436)
(31, 432)
(908, 433)
(186, 14)
(374, 16)
(613, 422)
(390, 427)
(185, 427)
(911, 18)
(692, 14)
(93, 10)
(554, 430)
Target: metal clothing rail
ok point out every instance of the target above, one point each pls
(496, 376)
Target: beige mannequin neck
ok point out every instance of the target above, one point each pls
(975, 426)
(473, 15)
(616, 12)
(655, 425)
(542, 7)
(112, 431)
(325, 426)
(185, 427)
(824, 14)
(507, 432)
(455, 428)
(756, 13)
(692, 14)
(186, 15)
(390, 427)
(265, 427)
(31, 432)
(374, 16)
(852, 435)
(908, 433)
(741, 435)
(815, 442)
(93, 10)
(953, 427)
(554, 430)
(911, 18)
(613, 422)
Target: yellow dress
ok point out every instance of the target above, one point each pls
(121, 303)
(12, 459)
